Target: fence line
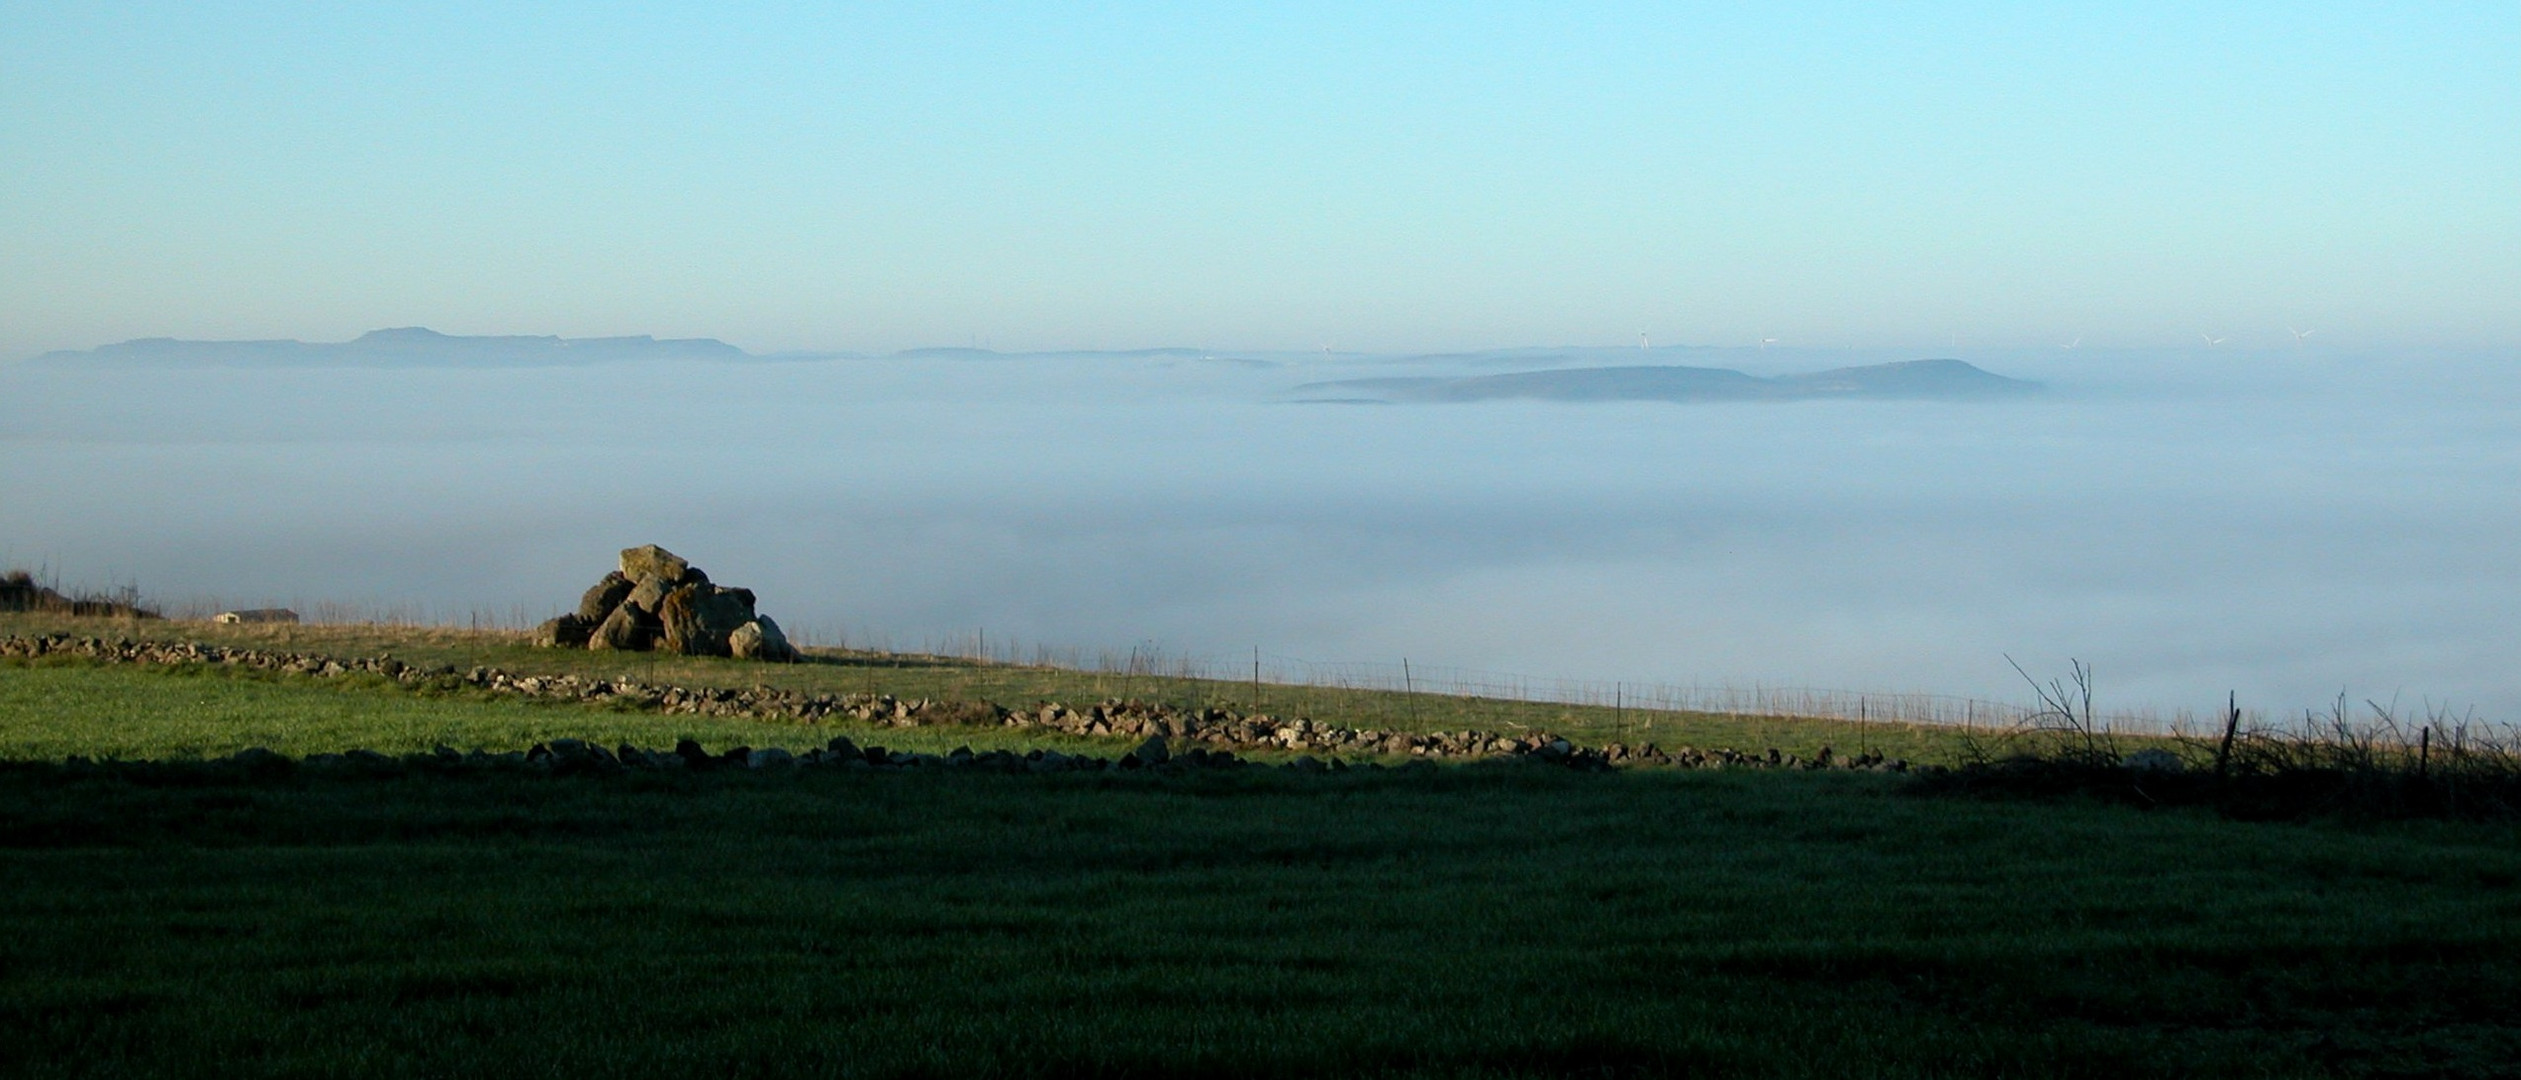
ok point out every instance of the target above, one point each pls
(1275, 670)
(1756, 699)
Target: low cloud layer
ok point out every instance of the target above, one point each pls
(2283, 525)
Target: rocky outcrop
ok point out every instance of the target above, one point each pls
(659, 600)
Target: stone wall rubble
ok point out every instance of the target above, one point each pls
(1212, 730)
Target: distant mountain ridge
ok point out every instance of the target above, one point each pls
(1940, 379)
(420, 347)
(401, 347)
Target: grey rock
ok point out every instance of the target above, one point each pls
(650, 561)
(648, 593)
(604, 597)
(698, 618)
(1152, 752)
(565, 632)
(760, 639)
(626, 629)
(745, 642)
(771, 757)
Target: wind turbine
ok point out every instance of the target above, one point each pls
(2211, 340)
(1641, 341)
(1766, 342)
(2298, 335)
(2075, 344)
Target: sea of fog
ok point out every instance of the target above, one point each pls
(2288, 524)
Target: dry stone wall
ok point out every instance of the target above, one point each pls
(1210, 730)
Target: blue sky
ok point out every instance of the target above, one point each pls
(1274, 176)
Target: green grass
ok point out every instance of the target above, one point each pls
(941, 678)
(52, 710)
(1504, 920)
(1484, 921)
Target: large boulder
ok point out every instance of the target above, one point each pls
(565, 632)
(649, 594)
(599, 602)
(650, 561)
(697, 619)
(745, 642)
(760, 639)
(627, 629)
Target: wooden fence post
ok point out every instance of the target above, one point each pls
(2231, 726)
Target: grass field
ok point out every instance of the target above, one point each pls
(50, 711)
(1482, 922)
(1509, 920)
(943, 678)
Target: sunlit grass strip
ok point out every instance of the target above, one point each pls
(951, 679)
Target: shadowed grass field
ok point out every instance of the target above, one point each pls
(1483, 921)
(1479, 920)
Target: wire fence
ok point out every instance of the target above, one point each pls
(515, 618)
(1282, 672)
(1405, 677)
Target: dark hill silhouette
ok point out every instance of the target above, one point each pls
(402, 347)
(1907, 379)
